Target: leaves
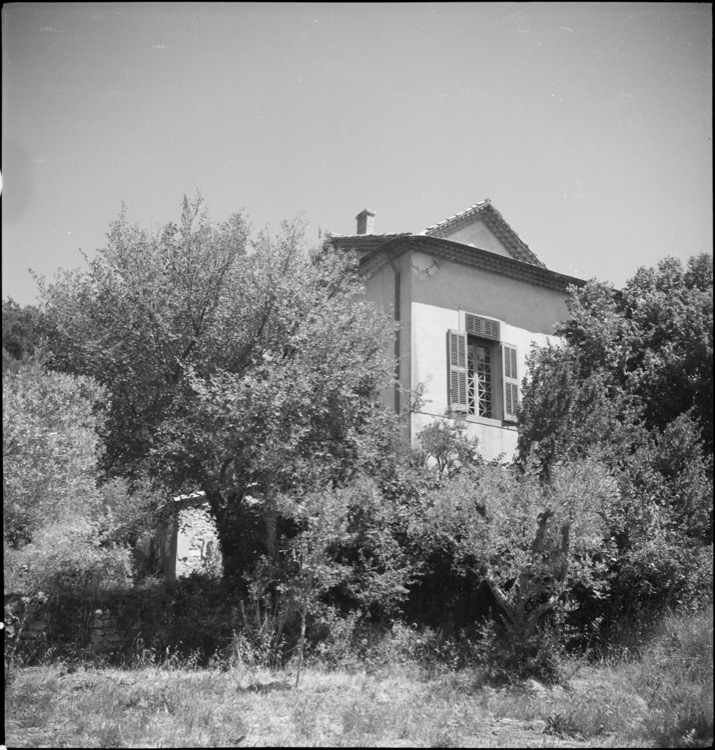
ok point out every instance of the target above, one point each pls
(242, 367)
(50, 448)
(531, 542)
(632, 384)
(641, 354)
(139, 315)
(59, 527)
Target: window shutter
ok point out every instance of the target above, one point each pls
(511, 382)
(481, 327)
(457, 359)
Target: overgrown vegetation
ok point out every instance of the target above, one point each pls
(390, 697)
(61, 530)
(198, 358)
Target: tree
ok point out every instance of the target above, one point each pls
(59, 528)
(643, 354)
(669, 349)
(322, 519)
(568, 409)
(244, 369)
(143, 311)
(632, 384)
(532, 543)
(50, 448)
(663, 524)
(21, 331)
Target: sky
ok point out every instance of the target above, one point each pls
(588, 125)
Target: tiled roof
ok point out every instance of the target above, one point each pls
(492, 220)
(468, 256)
(435, 228)
(363, 242)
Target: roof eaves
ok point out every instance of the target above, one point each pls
(389, 235)
(470, 256)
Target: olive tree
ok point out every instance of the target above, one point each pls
(60, 528)
(243, 367)
(531, 542)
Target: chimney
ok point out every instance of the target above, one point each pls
(365, 222)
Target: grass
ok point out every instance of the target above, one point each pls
(663, 698)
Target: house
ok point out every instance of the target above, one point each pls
(471, 299)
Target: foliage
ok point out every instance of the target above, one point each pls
(532, 543)
(381, 567)
(322, 519)
(567, 412)
(663, 698)
(305, 414)
(632, 384)
(671, 474)
(242, 368)
(68, 556)
(446, 443)
(260, 641)
(507, 655)
(142, 312)
(676, 679)
(661, 530)
(21, 331)
(344, 550)
(59, 528)
(49, 448)
(643, 354)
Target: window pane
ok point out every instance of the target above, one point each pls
(480, 379)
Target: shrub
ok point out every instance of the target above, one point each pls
(508, 656)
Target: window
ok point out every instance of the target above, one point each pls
(483, 378)
(480, 378)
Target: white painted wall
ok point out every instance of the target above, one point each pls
(433, 291)
(477, 235)
(430, 324)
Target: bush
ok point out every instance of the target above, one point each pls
(352, 642)
(507, 656)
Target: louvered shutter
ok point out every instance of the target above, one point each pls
(457, 359)
(511, 382)
(484, 328)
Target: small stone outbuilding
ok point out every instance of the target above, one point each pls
(187, 543)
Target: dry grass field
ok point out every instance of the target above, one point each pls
(663, 698)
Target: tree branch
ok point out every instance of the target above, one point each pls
(502, 600)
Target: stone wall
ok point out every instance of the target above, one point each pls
(105, 635)
(33, 625)
(35, 629)
(160, 617)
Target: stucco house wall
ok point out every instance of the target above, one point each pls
(477, 235)
(472, 263)
(440, 297)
